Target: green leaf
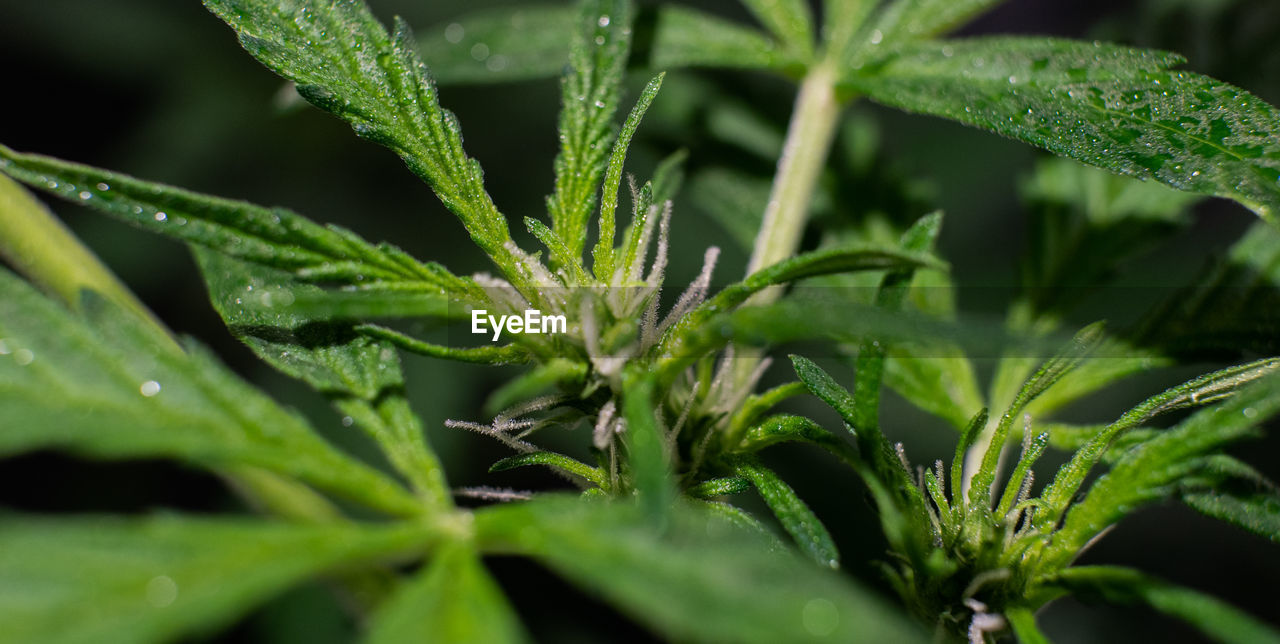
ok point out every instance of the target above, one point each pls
(452, 599)
(272, 237)
(603, 255)
(360, 374)
(505, 354)
(789, 21)
(100, 579)
(794, 515)
(812, 264)
(841, 21)
(686, 37)
(1049, 373)
(345, 62)
(1234, 307)
(940, 382)
(894, 485)
(719, 487)
(784, 428)
(702, 578)
(909, 19)
(1213, 617)
(1086, 225)
(107, 387)
(647, 447)
(1206, 389)
(360, 303)
(869, 364)
(590, 93)
(501, 44)
(37, 244)
(734, 199)
(553, 460)
(1152, 469)
(1123, 110)
(1023, 623)
(1257, 512)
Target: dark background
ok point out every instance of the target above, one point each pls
(160, 89)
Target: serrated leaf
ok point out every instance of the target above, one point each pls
(812, 264)
(590, 92)
(560, 462)
(37, 244)
(1048, 374)
(106, 387)
(345, 62)
(794, 515)
(735, 200)
(1212, 616)
(784, 428)
(1152, 469)
(788, 20)
(719, 487)
(841, 21)
(1234, 307)
(514, 43)
(686, 37)
(943, 385)
(908, 19)
(1257, 512)
(1204, 390)
(82, 580)
(360, 374)
(890, 296)
(272, 237)
(1123, 110)
(603, 264)
(452, 599)
(701, 578)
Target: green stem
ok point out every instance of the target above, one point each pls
(804, 155)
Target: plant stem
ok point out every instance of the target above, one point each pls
(804, 155)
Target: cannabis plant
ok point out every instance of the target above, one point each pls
(654, 383)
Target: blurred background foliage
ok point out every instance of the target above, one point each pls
(161, 90)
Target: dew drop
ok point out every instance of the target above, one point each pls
(820, 617)
(454, 33)
(23, 357)
(4, 348)
(876, 37)
(85, 194)
(603, 22)
(1250, 412)
(149, 388)
(162, 591)
(160, 216)
(103, 187)
(599, 40)
(348, 421)
(479, 51)
(496, 63)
